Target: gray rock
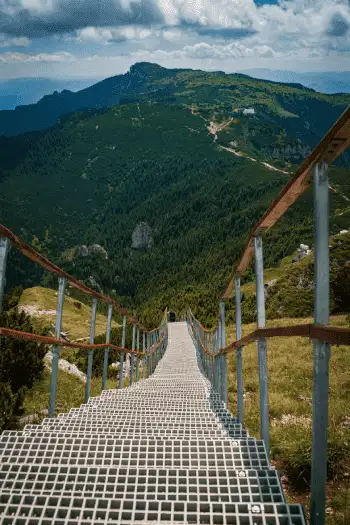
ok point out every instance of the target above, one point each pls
(142, 237)
(94, 249)
(272, 282)
(99, 250)
(67, 367)
(299, 256)
(84, 251)
(94, 284)
(28, 420)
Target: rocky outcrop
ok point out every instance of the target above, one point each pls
(142, 237)
(94, 284)
(94, 249)
(65, 366)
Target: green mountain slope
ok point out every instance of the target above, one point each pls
(96, 176)
(303, 112)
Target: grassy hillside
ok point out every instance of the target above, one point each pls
(290, 392)
(197, 172)
(70, 393)
(40, 303)
(292, 104)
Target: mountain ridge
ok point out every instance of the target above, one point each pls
(97, 175)
(153, 80)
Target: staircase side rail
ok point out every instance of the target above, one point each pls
(335, 142)
(158, 336)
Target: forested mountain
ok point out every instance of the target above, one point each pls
(306, 113)
(167, 190)
(28, 90)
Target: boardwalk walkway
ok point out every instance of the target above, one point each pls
(164, 450)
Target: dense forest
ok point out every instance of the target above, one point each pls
(99, 174)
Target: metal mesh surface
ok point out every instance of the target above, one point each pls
(164, 450)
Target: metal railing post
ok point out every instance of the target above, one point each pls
(217, 363)
(212, 371)
(223, 358)
(132, 354)
(4, 250)
(262, 346)
(144, 356)
(150, 355)
(106, 352)
(321, 348)
(137, 356)
(90, 351)
(121, 357)
(239, 364)
(56, 348)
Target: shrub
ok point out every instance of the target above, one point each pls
(21, 364)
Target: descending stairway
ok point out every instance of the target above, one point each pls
(164, 450)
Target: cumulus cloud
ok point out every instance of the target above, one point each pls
(46, 17)
(339, 24)
(63, 56)
(106, 35)
(14, 42)
(203, 50)
(214, 29)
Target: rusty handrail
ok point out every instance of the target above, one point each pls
(27, 336)
(336, 140)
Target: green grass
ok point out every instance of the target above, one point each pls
(76, 315)
(269, 274)
(70, 392)
(290, 373)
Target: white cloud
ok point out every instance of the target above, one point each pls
(14, 42)
(203, 50)
(11, 57)
(106, 35)
(214, 30)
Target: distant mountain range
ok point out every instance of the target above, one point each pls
(173, 148)
(21, 91)
(323, 82)
(145, 81)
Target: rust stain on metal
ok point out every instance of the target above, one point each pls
(27, 336)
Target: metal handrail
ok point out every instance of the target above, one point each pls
(153, 348)
(313, 169)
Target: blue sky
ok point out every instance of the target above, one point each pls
(100, 38)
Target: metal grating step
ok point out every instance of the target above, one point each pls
(165, 450)
(192, 485)
(64, 510)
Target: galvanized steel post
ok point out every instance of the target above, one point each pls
(132, 354)
(90, 351)
(212, 377)
(144, 354)
(217, 362)
(121, 362)
(239, 364)
(137, 356)
(321, 348)
(56, 348)
(149, 353)
(223, 358)
(106, 352)
(262, 346)
(4, 250)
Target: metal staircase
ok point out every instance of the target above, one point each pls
(164, 450)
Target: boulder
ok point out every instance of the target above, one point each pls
(142, 237)
(84, 251)
(99, 250)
